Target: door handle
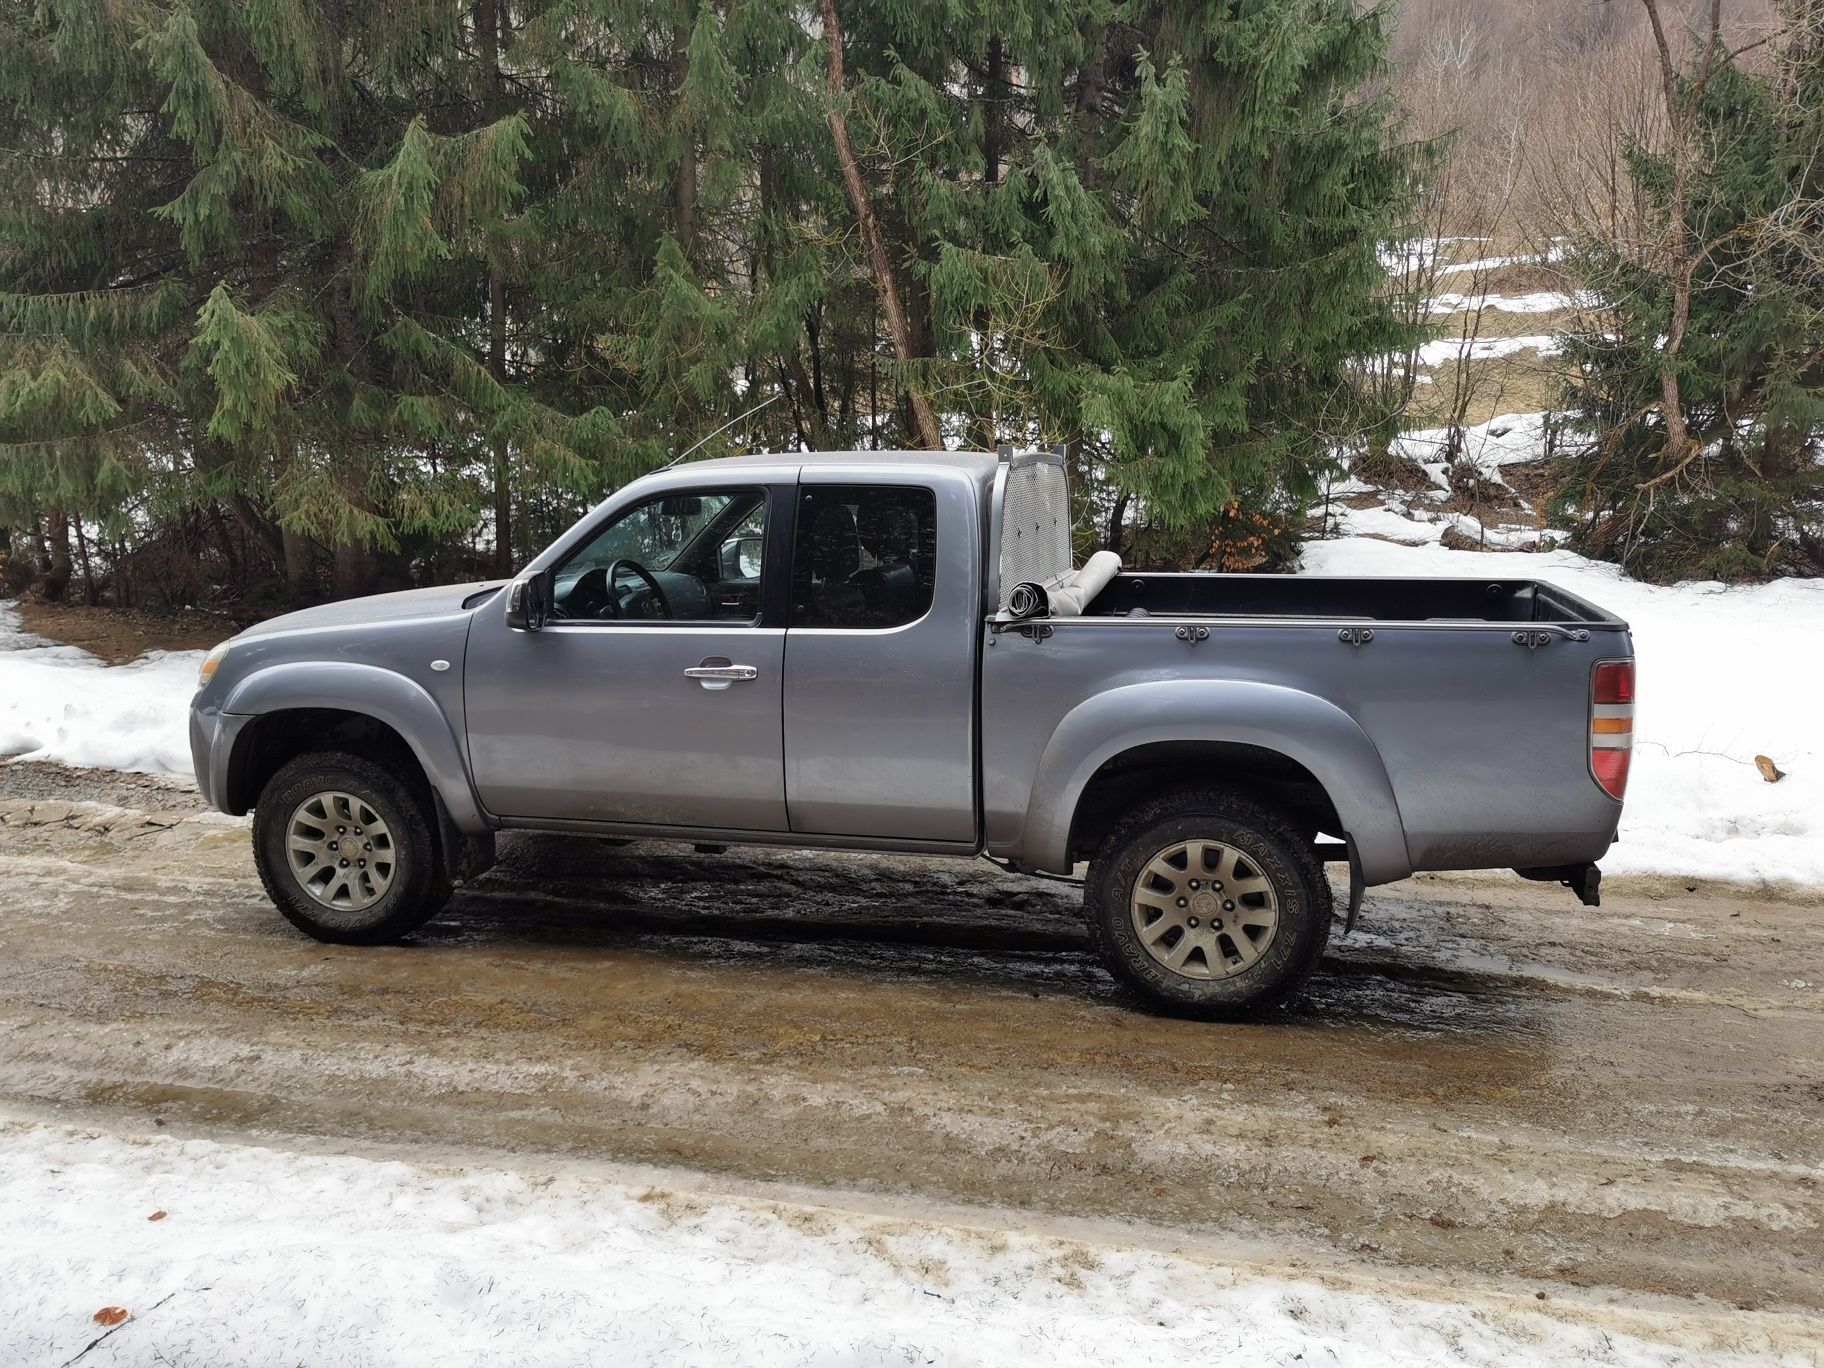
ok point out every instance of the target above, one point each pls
(712, 675)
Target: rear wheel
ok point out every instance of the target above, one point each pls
(347, 850)
(1209, 904)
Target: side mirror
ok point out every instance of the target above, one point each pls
(529, 601)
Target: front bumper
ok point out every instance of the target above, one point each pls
(212, 737)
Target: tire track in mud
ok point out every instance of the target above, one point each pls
(1491, 1081)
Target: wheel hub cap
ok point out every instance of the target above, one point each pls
(340, 851)
(1218, 930)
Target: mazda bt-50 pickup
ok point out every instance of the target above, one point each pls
(894, 651)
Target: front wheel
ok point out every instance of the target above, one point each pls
(1209, 904)
(346, 850)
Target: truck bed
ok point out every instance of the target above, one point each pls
(1323, 599)
(1471, 696)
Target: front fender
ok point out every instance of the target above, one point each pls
(1300, 726)
(383, 695)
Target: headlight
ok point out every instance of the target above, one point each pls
(211, 662)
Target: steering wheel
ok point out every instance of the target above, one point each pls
(653, 588)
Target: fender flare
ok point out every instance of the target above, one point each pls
(387, 697)
(1310, 730)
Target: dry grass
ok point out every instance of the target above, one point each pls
(118, 635)
(1510, 384)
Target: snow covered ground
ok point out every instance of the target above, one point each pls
(61, 703)
(1534, 301)
(266, 1257)
(1725, 674)
(1444, 351)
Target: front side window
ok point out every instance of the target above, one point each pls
(692, 557)
(864, 556)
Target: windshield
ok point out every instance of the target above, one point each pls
(657, 532)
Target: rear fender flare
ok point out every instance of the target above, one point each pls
(383, 695)
(1300, 726)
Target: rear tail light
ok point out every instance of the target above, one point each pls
(1612, 724)
(1613, 682)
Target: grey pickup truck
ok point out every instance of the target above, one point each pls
(892, 651)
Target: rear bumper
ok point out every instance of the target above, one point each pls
(1585, 880)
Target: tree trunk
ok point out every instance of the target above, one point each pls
(1680, 267)
(295, 551)
(17, 569)
(123, 576)
(994, 112)
(503, 458)
(1117, 521)
(219, 525)
(489, 24)
(354, 571)
(89, 594)
(923, 418)
(57, 568)
(685, 191)
(994, 132)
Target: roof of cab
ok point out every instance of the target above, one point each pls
(978, 463)
(979, 467)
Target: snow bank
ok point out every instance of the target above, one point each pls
(61, 703)
(1495, 263)
(1506, 439)
(1445, 351)
(1725, 674)
(266, 1257)
(1538, 301)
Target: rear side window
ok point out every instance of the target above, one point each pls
(865, 556)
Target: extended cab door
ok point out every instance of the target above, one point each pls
(880, 654)
(653, 694)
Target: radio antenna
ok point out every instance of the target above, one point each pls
(697, 445)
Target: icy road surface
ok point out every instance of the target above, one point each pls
(1486, 1083)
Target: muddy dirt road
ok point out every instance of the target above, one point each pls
(1488, 1080)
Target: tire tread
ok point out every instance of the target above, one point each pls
(426, 879)
(1241, 808)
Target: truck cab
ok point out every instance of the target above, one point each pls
(785, 649)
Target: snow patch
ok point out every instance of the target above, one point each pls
(1495, 263)
(1444, 351)
(61, 703)
(1506, 439)
(1538, 301)
(1726, 673)
(269, 1257)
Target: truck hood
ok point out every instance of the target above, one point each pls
(376, 609)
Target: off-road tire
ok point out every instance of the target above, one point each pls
(1270, 843)
(420, 883)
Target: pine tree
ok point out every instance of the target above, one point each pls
(1148, 229)
(1746, 499)
(256, 236)
(404, 286)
